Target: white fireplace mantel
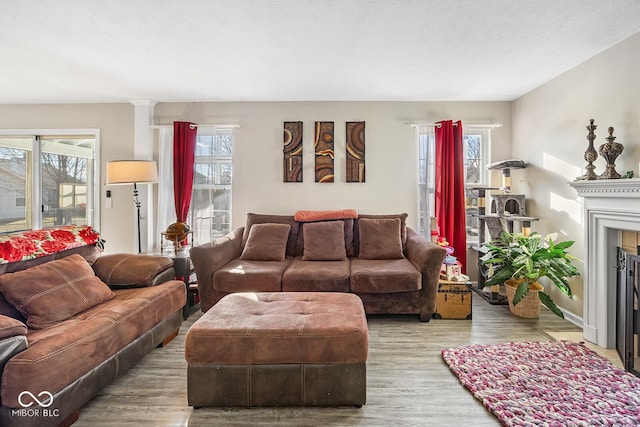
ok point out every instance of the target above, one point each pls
(608, 206)
(608, 188)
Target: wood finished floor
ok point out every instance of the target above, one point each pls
(408, 384)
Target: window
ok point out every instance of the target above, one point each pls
(475, 144)
(44, 180)
(426, 184)
(210, 213)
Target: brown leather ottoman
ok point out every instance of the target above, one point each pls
(279, 349)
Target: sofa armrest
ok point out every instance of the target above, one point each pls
(12, 338)
(10, 327)
(209, 258)
(428, 258)
(133, 270)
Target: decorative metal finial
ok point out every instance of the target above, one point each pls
(590, 155)
(610, 151)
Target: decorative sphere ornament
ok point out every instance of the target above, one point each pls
(177, 232)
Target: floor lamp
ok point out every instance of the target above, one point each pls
(121, 172)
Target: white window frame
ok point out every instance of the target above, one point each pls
(217, 160)
(426, 190)
(485, 143)
(93, 217)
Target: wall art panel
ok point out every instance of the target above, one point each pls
(355, 152)
(323, 147)
(292, 152)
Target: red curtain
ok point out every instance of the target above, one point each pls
(184, 149)
(450, 191)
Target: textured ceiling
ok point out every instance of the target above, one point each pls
(255, 50)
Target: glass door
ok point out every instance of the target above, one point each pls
(47, 181)
(67, 176)
(16, 189)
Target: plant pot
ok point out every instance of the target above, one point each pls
(529, 306)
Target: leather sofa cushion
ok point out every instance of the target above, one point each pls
(131, 270)
(88, 252)
(54, 291)
(7, 309)
(384, 276)
(320, 276)
(62, 353)
(254, 218)
(250, 276)
(266, 242)
(10, 327)
(324, 241)
(380, 238)
(280, 327)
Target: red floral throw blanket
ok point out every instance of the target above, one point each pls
(31, 244)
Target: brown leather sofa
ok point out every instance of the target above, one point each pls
(392, 268)
(60, 354)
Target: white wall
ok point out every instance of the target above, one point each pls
(549, 133)
(391, 151)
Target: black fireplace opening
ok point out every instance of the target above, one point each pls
(627, 312)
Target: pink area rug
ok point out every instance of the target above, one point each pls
(554, 383)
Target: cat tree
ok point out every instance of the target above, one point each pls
(506, 210)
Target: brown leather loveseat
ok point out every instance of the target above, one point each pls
(388, 265)
(72, 321)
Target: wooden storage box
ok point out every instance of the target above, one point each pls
(453, 300)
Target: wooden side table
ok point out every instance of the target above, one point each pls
(184, 270)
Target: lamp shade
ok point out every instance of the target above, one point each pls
(131, 171)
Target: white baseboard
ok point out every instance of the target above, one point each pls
(576, 320)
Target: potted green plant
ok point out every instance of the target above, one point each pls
(519, 261)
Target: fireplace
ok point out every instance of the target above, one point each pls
(627, 314)
(609, 206)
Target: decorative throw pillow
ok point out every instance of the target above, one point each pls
(380, 238)
(54, 291)
(256, 218)
(403, 225)
(323, 241)
(266, 242)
